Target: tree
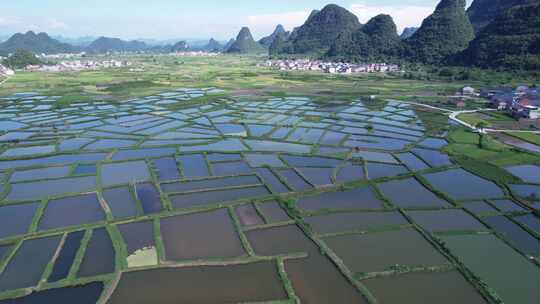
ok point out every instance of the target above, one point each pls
(481, 126)
(20, 59)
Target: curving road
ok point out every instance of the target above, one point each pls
(453, 115)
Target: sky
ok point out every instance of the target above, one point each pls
(194, 19)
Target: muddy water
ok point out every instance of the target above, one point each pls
(213, 197)
(361, 198)
(315, 279)
(380, 250)
(417, 288)
(248, 216)
(200, 236)
(409, 193)
(255, 282)
(337, 222)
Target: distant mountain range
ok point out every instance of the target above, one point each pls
(506, 34)
(491, 33)
(36, 43)
(43, 43)
(106, 44)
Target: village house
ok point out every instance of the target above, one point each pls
(468, 91)
(331, 67)
(526, 108)
(502, 101)
(4, 71)
(457, 101)
(522, 103)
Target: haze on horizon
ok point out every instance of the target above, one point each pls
(170, 19)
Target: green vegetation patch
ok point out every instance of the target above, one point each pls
(486, 170)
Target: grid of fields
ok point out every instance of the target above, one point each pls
(283, 200)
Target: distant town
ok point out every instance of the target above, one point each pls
(78, 65)
(331, 67)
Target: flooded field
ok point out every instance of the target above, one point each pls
(270, 200)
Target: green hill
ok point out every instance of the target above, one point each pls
(181, 46)
(229, 44)
(376, 41)
(482, 12)
(245, 44)
(445, 32)
(213, 46)
(267, 41)
(106, 44)
(317, 35)
(35, 43)
(511, 41)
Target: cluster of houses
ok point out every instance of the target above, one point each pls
(331, 67)
(521, 103)
(197, 54)
(61, 56)
(4, 71)
(79, 65)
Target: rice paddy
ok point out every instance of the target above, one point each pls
(160, 199)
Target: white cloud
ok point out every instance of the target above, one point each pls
(263, 25)
(6, 20)
(56, 24)
(404, 15)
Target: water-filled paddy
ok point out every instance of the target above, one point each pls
(436, 287)
(375, 252)
(99, 257)
(72, 211)
(255, 282)
(16, 219)
(444, 220)
(28, 264)
(200, 236)
(140, 244)
(509, 274)
(121, 202)
(85, 294)
(362, 198)
(361, 221)
(66, 257)
(528, 173)
(409, 193)
(240, 200)
(459, 185)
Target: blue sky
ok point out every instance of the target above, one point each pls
(166, 19)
